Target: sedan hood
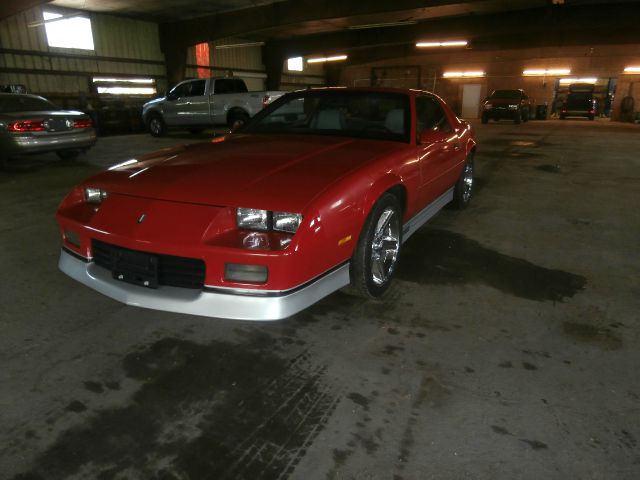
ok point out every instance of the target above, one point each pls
(274, 172)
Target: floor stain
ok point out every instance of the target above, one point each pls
(218, 410)
(535, 444)
(359, 400)
(76, 406)
(434, 256)
(529, 366)
(94, 387)
(500, 430)
(599, 336)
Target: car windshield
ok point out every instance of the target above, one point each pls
(345, 113)
(505, 94)
(21, 103)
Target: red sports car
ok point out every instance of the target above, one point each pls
(317, 192)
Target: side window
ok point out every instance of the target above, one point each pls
(430, 116)
(181, 90)
(239, 86)
(197, 88)
(223, 86)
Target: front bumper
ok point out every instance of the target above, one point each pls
(222, 303)
(20, 144)
(501, 113)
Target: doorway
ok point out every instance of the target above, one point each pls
(471, 100)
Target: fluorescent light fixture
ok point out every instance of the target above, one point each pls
(239, 45)
(72, 32)
(335, 58)
(471, 74)
(550, 71)
(147, 81)
(381, 25)
(567, 81)
(127, 90)
(455, 43)
(632, 70)
(295, 64)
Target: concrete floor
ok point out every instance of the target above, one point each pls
(507, 348)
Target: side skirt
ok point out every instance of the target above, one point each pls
(424, 215)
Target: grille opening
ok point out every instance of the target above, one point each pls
(172, 271)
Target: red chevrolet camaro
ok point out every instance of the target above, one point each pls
(316, 193)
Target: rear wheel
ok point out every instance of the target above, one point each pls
(463, 190)
(376, 256)
(156, 125)
(237, 118)
(67, 154)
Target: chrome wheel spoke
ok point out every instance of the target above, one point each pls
(385, 246)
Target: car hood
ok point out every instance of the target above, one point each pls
(273, 172)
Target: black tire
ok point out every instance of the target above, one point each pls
(517, 117)
(156, 125)
(525, 116)
(67, 154)
(196, 131)
(237, 118)
(463, 190)
(562, 117)
(485, 118)
(591, 117)
(366, 280)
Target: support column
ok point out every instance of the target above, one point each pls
(175, 55)
(273, 60)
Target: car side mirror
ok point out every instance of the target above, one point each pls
(429, 136)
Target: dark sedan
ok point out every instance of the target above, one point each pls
(32, 124)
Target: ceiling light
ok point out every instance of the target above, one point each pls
(568, 81)
(550, 71)
(381, 25)
(632, 70)
(122, 80)
(455, 43)
(463, 74)
(335, 58)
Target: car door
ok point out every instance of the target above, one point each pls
(439, 150)
(196, 105)
(173, 108)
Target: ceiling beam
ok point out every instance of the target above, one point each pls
(9, 8)
(528, 28)
(281, 14)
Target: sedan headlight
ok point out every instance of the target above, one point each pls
(286, 222)
(253, 219)
(513, 107)
(94, 195)
(488, 106)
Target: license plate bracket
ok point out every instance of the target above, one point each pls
(137, 268)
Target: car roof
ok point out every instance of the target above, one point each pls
(4, 94)
(406, 91)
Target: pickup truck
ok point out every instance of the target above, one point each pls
(202, 103)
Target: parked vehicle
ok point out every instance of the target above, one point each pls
(317, 192)
(31, 124)
(202, 103)
(579, 104)
(507, 104)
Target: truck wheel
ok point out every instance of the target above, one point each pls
(237, 118)
(376, 256)
(463, 189)
(156, 125)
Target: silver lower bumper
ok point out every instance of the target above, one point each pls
(233, 305)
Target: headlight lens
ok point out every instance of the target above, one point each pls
(513, 107)
(488, 106)
(253, 219)
(286, 222)
(94, 195)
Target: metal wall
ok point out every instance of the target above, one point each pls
(122, 47)
(241, 60)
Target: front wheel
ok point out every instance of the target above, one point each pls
(463, 190)
(376, 256)
(157, 127)
(237, 119)
(518, 117)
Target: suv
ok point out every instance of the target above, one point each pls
(579, 103)
(507, 104)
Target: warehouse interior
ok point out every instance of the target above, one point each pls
(507, 347)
